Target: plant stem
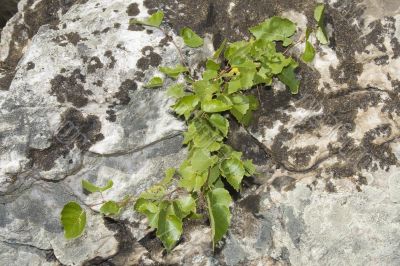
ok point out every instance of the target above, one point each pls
(169, 37)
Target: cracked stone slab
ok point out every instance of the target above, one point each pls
(73, 108)
(90, 98)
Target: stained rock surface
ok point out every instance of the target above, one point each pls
(73, 107)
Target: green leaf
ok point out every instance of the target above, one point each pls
(234, 86)
(184, 206)
(150, 209)
(220, 49)
(110, 208)
(215, 106)
(321, 34)
(275, 29)
(238, 52)
(174, 72)
(220, 123)
(190, 38)
(214, 175)
(73, 219)
(210, 74)
(309, 51)
(194, 181)
(212, 65)
(169, 174)
(319, 13)
(186, 105)
(153, 21)
(201, 160)
(204, 135)
(154, 83)
(93, 188)
(205, 89)
(288, 77)
(218, 201)
(155, 192)
(250, 168)
(169, 228)
(176, 91)
(233, 170)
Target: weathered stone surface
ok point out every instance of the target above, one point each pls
(73, 108)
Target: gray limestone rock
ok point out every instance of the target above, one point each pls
(73, 107)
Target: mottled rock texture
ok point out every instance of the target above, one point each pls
(72, 106)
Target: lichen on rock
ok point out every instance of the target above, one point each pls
(73, 107)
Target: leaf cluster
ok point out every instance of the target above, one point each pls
(207, 105)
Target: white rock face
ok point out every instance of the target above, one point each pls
(73, 107)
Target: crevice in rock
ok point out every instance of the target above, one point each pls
(128, 248)
(50, 256)
(137, 149)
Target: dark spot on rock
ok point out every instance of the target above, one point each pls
(123, 94)
(8, 9)
(63, 70)
(30, 66)
(136, 27)
(302, 156)
(150, 59)
(139, 75)
(341, 170)
(395, 47)
(75, 129)
(283, 183)
(242, 141)
(98, 83)
(251, 203)
(133, 9)
(117, 25)
(111, 115)
(76, 19)
(70, 89)
(330, 187)
(164, 42)
(149, 31)
(382, 154)
(72, 37)
(94, 64)
(109, 55)
(383, 60)
(127, 245)
(96, 32)
(105, 30)
(120, 46)
(44, 12)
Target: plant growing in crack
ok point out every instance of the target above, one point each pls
(207, 105)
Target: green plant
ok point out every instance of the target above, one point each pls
(206, 105)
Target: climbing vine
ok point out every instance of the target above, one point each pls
(207, 105)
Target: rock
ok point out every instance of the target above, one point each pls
(73, 107)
